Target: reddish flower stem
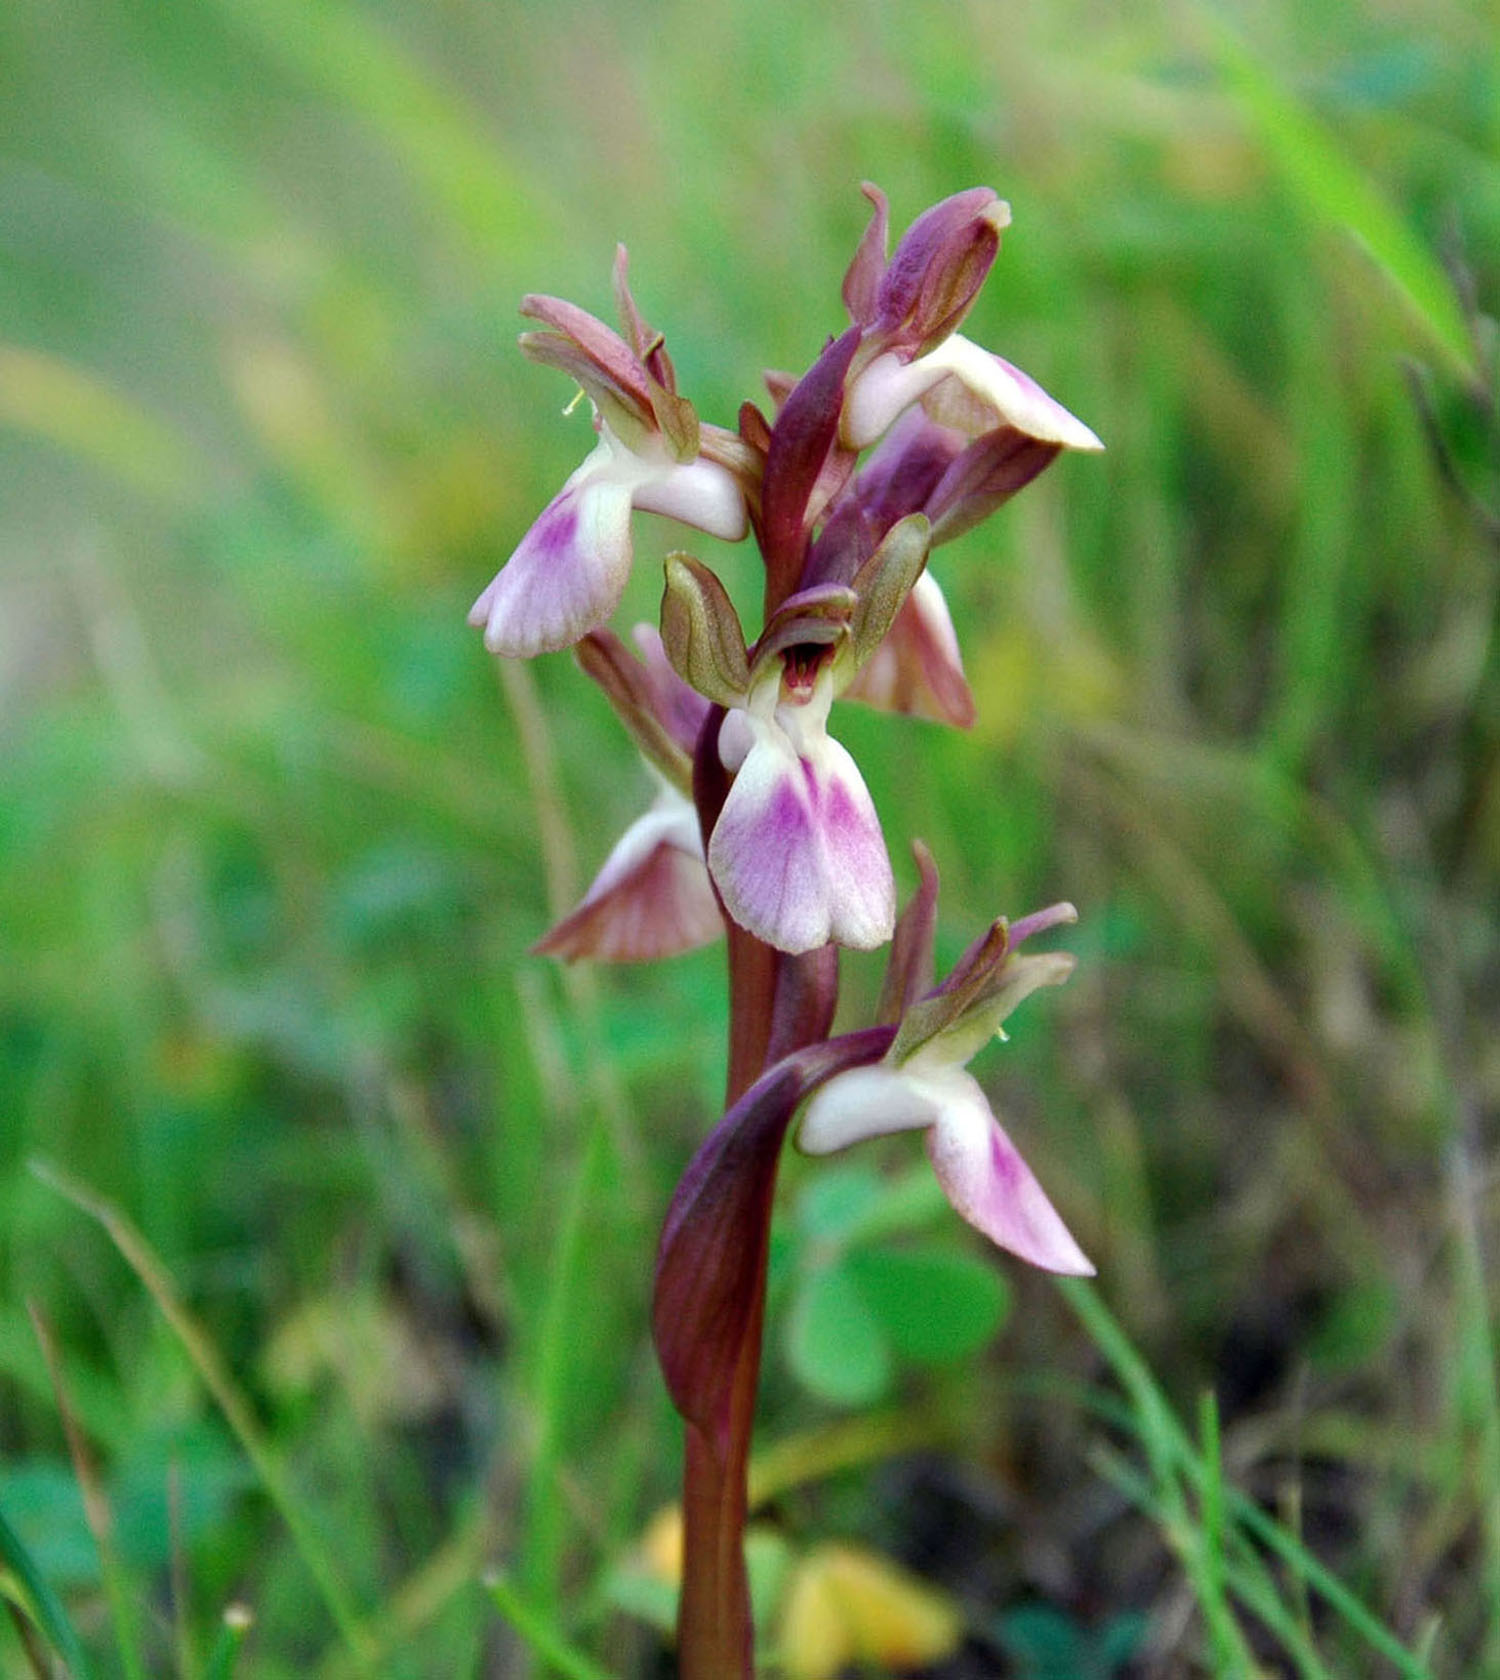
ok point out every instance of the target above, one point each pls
(777, 1004)
(715, 1633)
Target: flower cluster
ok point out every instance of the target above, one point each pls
(901, 435)
(796, 855)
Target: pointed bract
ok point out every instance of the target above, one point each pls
(983, 477)
(713, 1242)
(662, 714)
(862, 281)
(908, 969)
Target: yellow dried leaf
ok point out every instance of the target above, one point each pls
(660, 1546)
(815, 1642)
(847, 1605)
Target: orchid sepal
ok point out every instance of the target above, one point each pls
(987, 984)
(960, 385)
(701, 632)
(980, 1170)
(651, 899)
(881, 588)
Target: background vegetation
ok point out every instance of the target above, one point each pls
(274, 839)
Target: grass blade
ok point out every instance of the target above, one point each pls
(147, 1266)
(543, 1638)
(38, 1603)
(96, 1508)
(1160, 1431)
(232, 1630)
(1330, 187)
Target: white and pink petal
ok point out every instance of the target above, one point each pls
(699, 493)
(980, 1170)
(569, 572)
(862, 889)
(652, 898)
(983, 391)
(987, 1182)
(961, 385)
(866, 1102)
(765, 853)
(797, 853)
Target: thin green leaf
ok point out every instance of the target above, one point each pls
(1330, 187)
(238, 1413)
(38, 1601)
(539, 1633)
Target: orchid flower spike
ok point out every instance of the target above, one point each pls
(570, 570)
(921, 1085)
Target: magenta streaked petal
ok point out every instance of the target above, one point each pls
(652, 898)
(568, 574)
(984, 1177)
(699, 493)
(918, 669)
(862, 889)
(765, 853)
(797, 853)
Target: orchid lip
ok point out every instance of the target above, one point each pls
(980, 1170)
(568, 573)
(797, 852)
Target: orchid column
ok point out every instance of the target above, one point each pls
(763, 829)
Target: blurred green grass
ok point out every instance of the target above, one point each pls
(269, 841)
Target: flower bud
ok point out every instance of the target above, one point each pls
(937, 270)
